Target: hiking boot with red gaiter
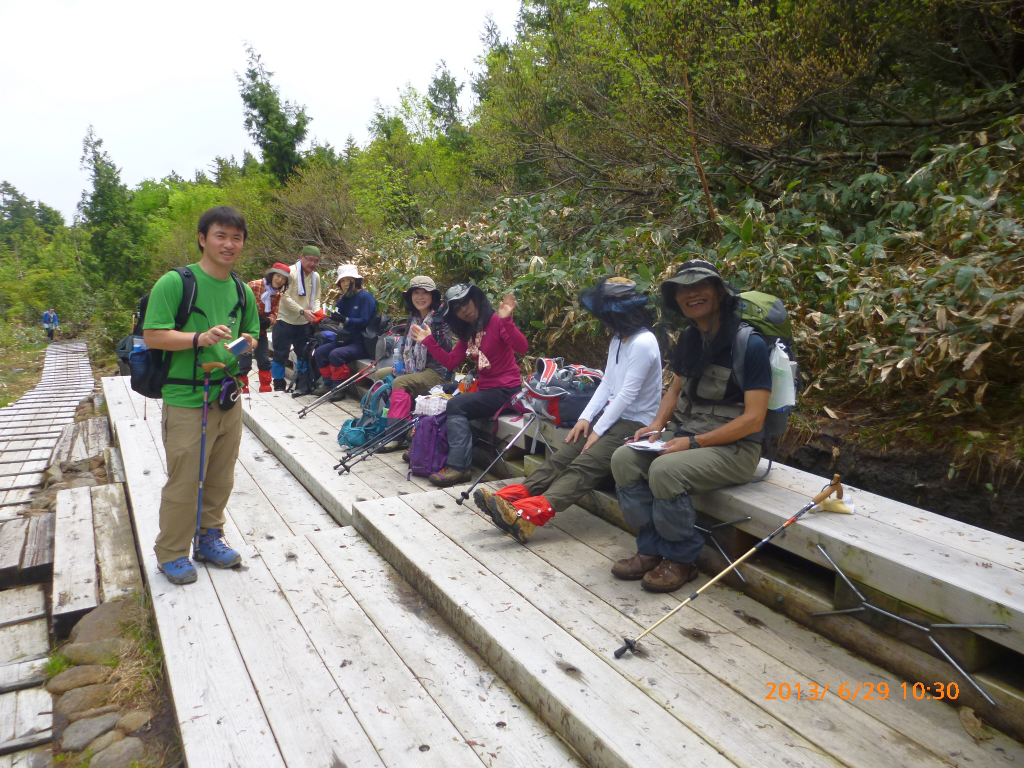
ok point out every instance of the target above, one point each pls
(515, 511)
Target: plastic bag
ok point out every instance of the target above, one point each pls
(783, 384)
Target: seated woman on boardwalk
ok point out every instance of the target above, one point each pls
(715, 426)
(626, 400)
(355, 308)
(416, 370)
(493, 339)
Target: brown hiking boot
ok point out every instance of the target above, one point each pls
(669, 576)
(522, 529)
(502, 513)
(482, 497)
(635, 567)
(449, 476)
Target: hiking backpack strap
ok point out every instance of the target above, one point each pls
(739, 352)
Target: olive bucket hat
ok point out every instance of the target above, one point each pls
(690, 273)
(427, 284)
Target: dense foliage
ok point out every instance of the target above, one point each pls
(860, 158)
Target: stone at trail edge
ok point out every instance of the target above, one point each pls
(82, 714)
(87, 697)
(132, 721)
(104, 741)
(101, 623)
(76, 677)
(97, 652)
(78, 735)
(120, 755)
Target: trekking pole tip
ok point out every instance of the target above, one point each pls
(630, 645)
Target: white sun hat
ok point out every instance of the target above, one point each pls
(348, 270)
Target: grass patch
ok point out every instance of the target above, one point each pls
(23, 350)
(140, 666)
(56, 663)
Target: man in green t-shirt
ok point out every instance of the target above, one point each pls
(217, 320)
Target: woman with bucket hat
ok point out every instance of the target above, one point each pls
(355, 308)
(625, 401)
(713, 423)
(492, 339)
(268, 291)
(416, 370)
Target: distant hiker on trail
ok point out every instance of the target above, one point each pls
(216, 320)
(715, 427)
(50, 322)
(296, 312)
(268, 291)
(626, 400)
(416, 370)
(493, 339)
(354, 309)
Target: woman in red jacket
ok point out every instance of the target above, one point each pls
(493, 340)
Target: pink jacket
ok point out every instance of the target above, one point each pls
(500, 343)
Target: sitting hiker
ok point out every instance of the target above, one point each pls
(268, 291)
(628, 395)
(716, 429)
(354, 310)
(493, 339)
(416, 370)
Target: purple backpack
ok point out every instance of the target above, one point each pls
(429, 450)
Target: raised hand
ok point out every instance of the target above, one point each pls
(507, 306)
(419, 333)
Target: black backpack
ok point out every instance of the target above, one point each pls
(151, 373)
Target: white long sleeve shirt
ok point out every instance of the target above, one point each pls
(631, 388)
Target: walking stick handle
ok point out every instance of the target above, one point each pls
(210, 367)
(833, 487)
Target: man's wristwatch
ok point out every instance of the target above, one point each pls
(693, 442)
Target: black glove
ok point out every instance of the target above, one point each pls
(264, 323)
(338, 317)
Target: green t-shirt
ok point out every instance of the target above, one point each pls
(216, 298)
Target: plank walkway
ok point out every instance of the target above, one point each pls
(350, 643)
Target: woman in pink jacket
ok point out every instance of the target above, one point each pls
(492, 339)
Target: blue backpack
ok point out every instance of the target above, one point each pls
(357, 432)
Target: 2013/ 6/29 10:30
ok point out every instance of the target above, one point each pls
(863, 691)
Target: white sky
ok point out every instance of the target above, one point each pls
(157, 80)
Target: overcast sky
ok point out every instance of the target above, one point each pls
(157, 81)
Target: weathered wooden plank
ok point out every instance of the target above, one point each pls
(35, 712)
(119, 404)
(219, 714)
(20, 744)
(75, 587)
(22, 674)
(8, 716)
(396, 713)
(312, 721)
(97, 436)
(22, 604)
(37, 557)
(118, 564)
(114, 465)
(12, 543)
(530, 651)
(923, 573)
(473, 697)
(22, 642)
(310, 464)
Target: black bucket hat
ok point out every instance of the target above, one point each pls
(612, 295)
(455, 295)
(690, 273)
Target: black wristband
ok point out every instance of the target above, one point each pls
(195, 342)
(693, 442)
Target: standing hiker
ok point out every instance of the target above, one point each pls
(268, 291)
(416, 370)
(626, 400)
(715, 427)
(50, 322)
(218, 318)
(493, 339)
(354, 309)
(296, 312)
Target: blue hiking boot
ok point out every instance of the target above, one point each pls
(213, 549)
(180, 571)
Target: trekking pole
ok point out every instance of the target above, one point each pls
(374, 443)
(379, 443)
(355, 378)
(828, 490)
(207, 369)
(500, 457)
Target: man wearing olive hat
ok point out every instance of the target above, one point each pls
(712, 422)
(296, 312)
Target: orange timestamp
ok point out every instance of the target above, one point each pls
(862, 691)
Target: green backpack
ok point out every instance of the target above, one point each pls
(767, 315)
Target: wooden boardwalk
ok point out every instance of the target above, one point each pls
(361, 643)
